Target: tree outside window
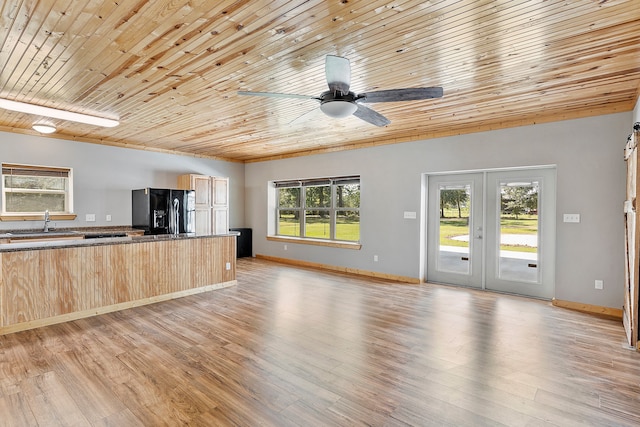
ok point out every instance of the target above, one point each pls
(327, 208)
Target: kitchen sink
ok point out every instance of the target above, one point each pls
(33, 234)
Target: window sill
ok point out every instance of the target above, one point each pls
(37, 217)
(316, 242)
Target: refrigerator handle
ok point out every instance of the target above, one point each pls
(176, 216)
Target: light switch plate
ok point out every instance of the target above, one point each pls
(571, 218)
(410, 215)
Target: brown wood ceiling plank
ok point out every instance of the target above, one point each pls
(173, 83)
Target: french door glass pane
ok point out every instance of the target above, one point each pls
(518, 231)
(453, 252)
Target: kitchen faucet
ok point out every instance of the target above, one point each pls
(46, 221)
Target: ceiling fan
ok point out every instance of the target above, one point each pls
(339, 101)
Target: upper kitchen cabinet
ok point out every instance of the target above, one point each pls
(212, 202)
(220, 191)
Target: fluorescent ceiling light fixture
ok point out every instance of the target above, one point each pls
(42, 128)
(54, 113)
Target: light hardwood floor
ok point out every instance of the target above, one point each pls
(299, 347)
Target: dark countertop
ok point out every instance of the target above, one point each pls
(30, 243)
(61, 232)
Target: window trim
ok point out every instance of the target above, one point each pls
(302, 209)
(38, 171)
(342, 244)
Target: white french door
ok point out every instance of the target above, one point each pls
(493, 230)
(454, 248)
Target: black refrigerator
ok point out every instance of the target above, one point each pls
(163, 211)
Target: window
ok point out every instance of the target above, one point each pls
(327, 208)
(31, 190)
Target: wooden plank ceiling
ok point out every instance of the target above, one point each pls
(170, 70)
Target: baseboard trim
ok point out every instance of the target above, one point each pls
(612, 313)
(319, 266)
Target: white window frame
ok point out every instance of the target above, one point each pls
(37, 170)
(302, 209)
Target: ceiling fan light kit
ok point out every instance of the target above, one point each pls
(54, 113)
(338, 109)
(338, 102)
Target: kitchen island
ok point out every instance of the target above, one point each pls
(48, 282)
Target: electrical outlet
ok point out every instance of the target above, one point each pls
(228, 266)
(285, 247)
(375, 258)
(599, 284)
(90, 218)
(108, 218)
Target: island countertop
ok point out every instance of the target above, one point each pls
(37, 241)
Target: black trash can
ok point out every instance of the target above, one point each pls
(243, 242)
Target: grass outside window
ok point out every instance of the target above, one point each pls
(451, 226)
(321, 208)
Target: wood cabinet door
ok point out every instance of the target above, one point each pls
(220, 221)
(203, 220)
(202, 186)
(220, 191)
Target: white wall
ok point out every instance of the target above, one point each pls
(590, 181)
(104, 176)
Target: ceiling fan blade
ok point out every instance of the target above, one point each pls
(370, 116)
(338, 72)
(276, 95)
(304, 116)
(394, 95)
